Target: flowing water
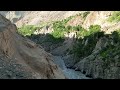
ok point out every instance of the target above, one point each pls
(69, 73)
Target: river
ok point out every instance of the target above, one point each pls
(69, 73)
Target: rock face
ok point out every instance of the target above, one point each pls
(103, 62)
(97, 17)
(22, 58)
(100, 18)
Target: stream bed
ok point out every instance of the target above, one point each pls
(69, 73)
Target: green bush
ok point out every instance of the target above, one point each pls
(59, 28)
(68, 28)
(58, 34)
(115, 17)
(78, 28)
(27, 30)
(94, 28)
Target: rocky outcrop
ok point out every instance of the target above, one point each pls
(22, 58)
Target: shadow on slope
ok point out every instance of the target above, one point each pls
(107, 45)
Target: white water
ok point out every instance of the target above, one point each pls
(69, 73)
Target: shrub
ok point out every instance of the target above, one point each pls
(58, 34)
(78, 28)
(94, 28)
(59, 28)
(115, 17)
(27, 30)
(68, 28)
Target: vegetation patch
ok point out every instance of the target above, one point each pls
(87, 41)
(27, 29)
(59, 28)
(90, 36)
(115, 17)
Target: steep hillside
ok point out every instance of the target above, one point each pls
(20, 58)
(36, 17)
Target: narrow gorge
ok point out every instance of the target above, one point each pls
(60, 44)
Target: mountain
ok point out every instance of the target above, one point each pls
(83, 44)
(36, 17)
